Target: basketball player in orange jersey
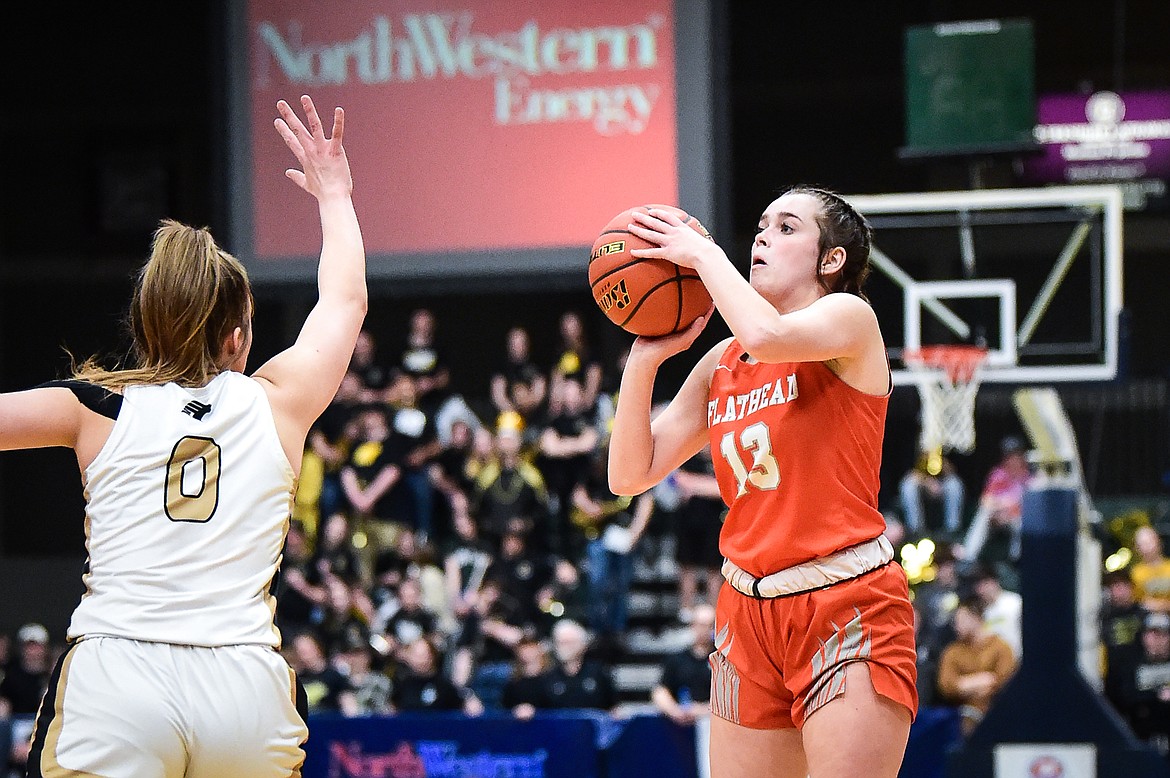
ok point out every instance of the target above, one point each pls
(813, 670)
(189, 468)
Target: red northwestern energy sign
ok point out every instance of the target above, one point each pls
(1102, 137)
(473, 125)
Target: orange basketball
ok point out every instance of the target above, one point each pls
(650, 297)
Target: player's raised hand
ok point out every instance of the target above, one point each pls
(325, 168)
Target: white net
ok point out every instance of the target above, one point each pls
(948, 381)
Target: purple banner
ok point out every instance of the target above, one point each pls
(1102, 137)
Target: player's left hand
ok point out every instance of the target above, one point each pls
(662, 348)
(673, 240)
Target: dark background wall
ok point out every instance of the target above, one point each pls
(113, 119)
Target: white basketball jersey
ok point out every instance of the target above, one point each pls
(187, 506)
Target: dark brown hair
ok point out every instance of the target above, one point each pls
(840, 225)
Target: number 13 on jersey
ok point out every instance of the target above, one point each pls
(756, 440)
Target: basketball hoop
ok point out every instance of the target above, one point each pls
(948, 380)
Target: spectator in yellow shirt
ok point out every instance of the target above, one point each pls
(1151, 571)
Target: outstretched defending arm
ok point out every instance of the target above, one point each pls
(302, 380)
(38, 418)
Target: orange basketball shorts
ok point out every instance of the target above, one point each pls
(778, 660)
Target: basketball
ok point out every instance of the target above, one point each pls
(651, 297)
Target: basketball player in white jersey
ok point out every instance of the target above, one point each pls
(189, 468)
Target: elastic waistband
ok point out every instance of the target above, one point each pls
(816, 574)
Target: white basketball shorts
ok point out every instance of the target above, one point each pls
(121, 708)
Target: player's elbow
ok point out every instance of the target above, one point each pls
(359, 302)
(760, 340)
(352, 309)
(624, 486)
(344, 307)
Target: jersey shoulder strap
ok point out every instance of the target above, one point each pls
(97, 398)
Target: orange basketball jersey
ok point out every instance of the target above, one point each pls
(797, 453)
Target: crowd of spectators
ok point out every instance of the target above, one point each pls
(968, 608)
(465, 554)
(1136, 640)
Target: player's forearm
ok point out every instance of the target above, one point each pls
(631, 444)
(743, 309)
(341, 274)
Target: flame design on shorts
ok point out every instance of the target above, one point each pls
(845, 645)
(724, 676)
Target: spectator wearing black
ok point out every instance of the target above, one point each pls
(1122, 615)
(526, 683)
(574, 361)
(573, 681)
(412, 426)
(335, 554)
(369, 478)
(326, 688)
(302, 595)
(421, 359)
(699, 518)
(466, 559)
(369, 368)
(424, 360)
(362, 666)
(27, 674)
(1142, 681)
(331, 439)
(1122, 620)
(935, 602)
(527, 575)
(420, 686)
(568, 443)
(934, 606)
(519, 386)
(925, 662)
(683, 694)
(452, 476)
(486, 643)
(412, 620)
(460, 459)
(407, 559)
(342, 613)
(508, 488)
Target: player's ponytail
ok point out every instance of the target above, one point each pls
(189, 297)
